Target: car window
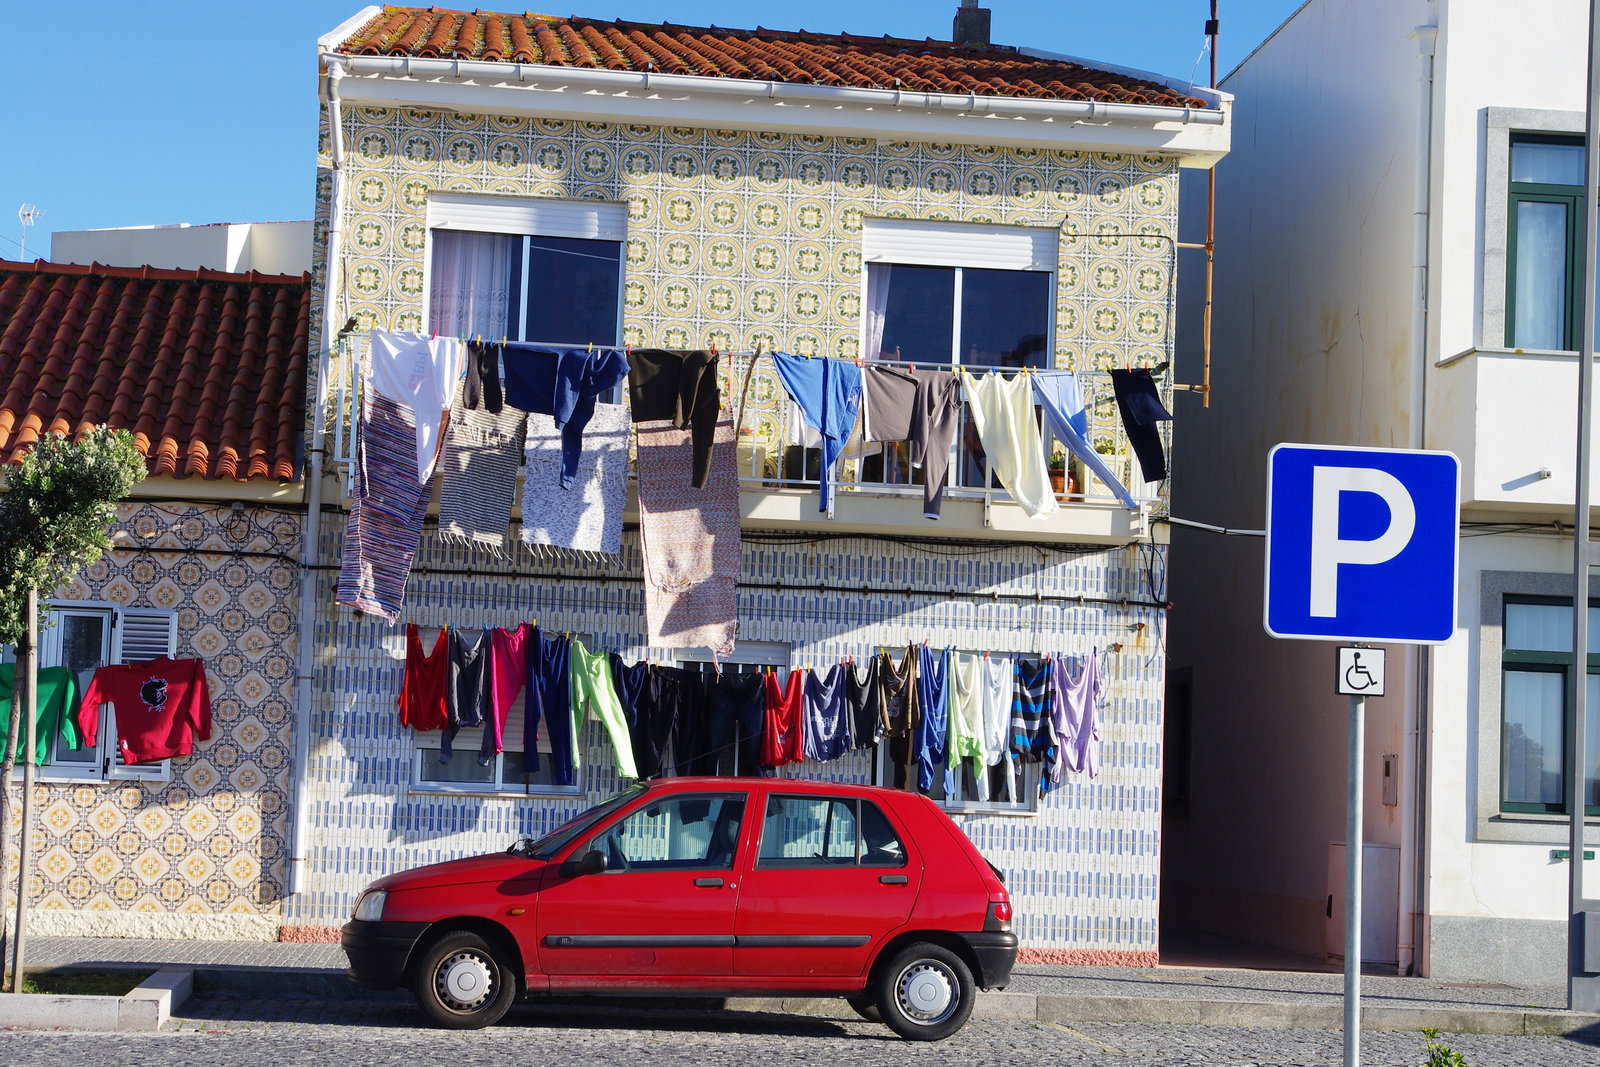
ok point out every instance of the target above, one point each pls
(827, 832)
(698, 832)
(553, 842)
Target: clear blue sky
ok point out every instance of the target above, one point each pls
(167, 111)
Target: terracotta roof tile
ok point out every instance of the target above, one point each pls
(760, 54)
(208, 369)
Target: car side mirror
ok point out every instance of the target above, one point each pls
(591, 862)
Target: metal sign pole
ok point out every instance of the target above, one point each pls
(1583, 992)
(1352, 890)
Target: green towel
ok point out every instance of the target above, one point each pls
(57, 711)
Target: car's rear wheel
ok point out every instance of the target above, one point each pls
(925, 992)
(865, 1007)
(461, 984)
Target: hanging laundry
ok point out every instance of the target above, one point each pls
(682, 692)
(1140, 404)
(689, 539)
(658, 717)
(736, 706)
(996, 677)
(470, 698)
(478, 486)
(162, 705)
(55, 713)
(565, 384)
(923, 408)
(966, 712)
(589, 517)
(1061, 398)
(897, 700)
(482, 383)
(933, 700)
(418, 373)
(861, 691)
(825, 715)
(1031, 738)
(1002, 413)
(782, 739)
(550, 696)
(385, 524)
(638, 691)
(1075, 715)
(828, 394)
(423, 703)
(592, 690)
(508, 669)
(679, 387)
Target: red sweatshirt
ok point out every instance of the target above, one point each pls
(161, 704)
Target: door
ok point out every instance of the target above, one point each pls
(663, 907)
(832, 876)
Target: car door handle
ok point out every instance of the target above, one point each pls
(892, 879)
(710, 883)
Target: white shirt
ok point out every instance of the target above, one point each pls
(421, 373)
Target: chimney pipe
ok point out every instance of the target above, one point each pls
(971, 24)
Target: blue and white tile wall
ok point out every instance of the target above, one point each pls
(1083, 869)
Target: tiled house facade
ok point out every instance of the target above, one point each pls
(739, 237)
(201, 366)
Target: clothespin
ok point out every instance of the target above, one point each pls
(913, 368)
(435, 333)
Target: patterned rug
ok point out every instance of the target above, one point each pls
(689, 538)
(588, 516)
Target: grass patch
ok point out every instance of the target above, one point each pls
(102, 984)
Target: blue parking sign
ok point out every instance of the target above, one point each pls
(1362, 544)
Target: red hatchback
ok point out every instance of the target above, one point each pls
(711, 887)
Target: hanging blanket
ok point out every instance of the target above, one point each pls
(588, 516)
(386, 520)
(689, 538)
(481, 453)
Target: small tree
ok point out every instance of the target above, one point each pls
(55, 517)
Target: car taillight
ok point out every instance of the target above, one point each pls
(999, 918)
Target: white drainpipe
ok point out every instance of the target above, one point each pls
(1414, 755)
(333, 318)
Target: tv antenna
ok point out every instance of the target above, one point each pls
(29, 215)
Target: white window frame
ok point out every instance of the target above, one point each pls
(1025, 776)
(107, 764)
(425, 748)
(588, 220)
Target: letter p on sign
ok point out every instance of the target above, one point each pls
(1361, 544)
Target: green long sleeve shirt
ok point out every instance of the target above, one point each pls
(57, 711)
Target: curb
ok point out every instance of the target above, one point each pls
(146, 1007)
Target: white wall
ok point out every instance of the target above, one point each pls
(267, 247)
(1312, 334)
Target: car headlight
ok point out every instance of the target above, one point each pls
(370, 907)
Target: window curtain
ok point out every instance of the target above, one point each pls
(1541, 281)
(877, 307)
(471, 288)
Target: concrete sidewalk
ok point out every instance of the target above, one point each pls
(1047, 993)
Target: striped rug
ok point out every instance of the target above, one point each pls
(386, 522)
(482, 452)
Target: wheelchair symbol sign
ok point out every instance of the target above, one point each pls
(1360, 672)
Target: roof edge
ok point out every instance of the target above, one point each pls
(331, 40)
(1215, 97)
(147, 273)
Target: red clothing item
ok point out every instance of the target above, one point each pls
(427, 680)
(508, 671)
(781, 740)
(161, 704)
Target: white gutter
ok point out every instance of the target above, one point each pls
(1413, 822)
(333, 318)
(1199, 133)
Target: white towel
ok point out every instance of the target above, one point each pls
(1002, 413)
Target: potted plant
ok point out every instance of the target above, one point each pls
(1058, 470)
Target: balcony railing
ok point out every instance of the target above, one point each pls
(772, 462)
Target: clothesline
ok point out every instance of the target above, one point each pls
(1040, 707)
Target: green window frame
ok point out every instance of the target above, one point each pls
(1569, 197)
(1552, 669)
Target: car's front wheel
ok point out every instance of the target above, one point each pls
(925, 993)
(461, 984)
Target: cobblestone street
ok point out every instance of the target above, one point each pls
(213, 1029)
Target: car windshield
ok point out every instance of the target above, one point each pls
(553, 842)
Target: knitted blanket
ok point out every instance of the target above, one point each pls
(587, 517)
(482, 451)
(689, 538)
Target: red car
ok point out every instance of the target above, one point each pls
(705, 886)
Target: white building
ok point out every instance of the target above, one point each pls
(238, 247)
(1398, 242)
